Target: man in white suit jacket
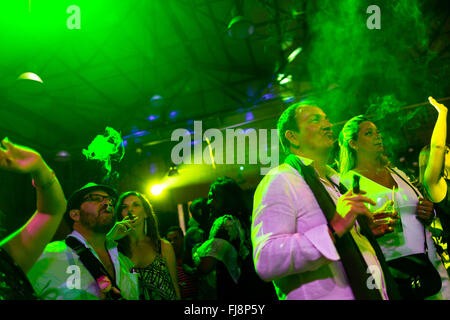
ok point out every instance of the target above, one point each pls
(296, 244)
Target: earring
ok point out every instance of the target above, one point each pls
(145, 225)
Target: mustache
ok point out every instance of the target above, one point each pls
(327, 130)
(107, 208)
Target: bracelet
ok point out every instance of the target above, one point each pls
(46, 185)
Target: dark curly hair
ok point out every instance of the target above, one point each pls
(235, 204)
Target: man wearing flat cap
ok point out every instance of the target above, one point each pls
(63, 272)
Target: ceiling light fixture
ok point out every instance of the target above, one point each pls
(30, 76)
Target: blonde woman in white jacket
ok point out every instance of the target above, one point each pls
(403, 237)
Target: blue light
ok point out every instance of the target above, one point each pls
(156, 101)
(245, 131)
(156, 97)
(152, 117)
(140, 133)
(250, 92)
(63, 154)
(268, 96)
(173, 114)
(152, 168)
(249, 116)
(137, 134)
(288, 99)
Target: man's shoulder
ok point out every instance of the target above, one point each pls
(283, 180)
(56, 247)
(54, 252)
(51, 264)
(280, 175)
(283, 170)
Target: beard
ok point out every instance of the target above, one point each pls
(98, 223)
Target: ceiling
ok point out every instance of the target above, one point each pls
(124, 54)
(148, 67)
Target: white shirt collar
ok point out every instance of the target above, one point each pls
(110, 244)
(331, 173)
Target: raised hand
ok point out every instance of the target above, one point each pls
(18, 158)
(439, 106)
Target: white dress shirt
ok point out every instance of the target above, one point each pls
(59, 273)
(291, 241)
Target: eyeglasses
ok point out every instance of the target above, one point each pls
(99, 198)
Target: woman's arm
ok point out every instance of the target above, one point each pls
(433, 182)
(169, 255)
(26, 244)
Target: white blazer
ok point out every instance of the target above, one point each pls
(291, 243)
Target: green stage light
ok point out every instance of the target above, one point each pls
(294, 54)
(157, 189)
(30, 76)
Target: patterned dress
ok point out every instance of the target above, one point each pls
(14, 285)
(155, 282)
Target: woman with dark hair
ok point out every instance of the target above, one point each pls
(225, 257)
(201, 213)
(406, 242)
(434, 166)
(154, 259)
(198, 227)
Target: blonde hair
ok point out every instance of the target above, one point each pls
(347, 154)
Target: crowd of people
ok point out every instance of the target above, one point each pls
(357, 229)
